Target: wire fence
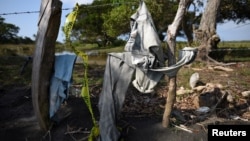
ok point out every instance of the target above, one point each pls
(85, 6)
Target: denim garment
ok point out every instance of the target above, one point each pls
(144, 57)
(117, 78)
(61, 80)
(119, 72)
(144, 42)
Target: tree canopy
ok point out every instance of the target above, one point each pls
(235, 10)
(105, 20)
(8, 33)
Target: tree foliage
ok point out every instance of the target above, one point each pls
(235, 10)
(105, 20)
(8, 33)
(89, 23)
(116, 22)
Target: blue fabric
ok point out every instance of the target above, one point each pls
(64, 65)
(61, 80)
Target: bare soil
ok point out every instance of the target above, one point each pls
(142, 113)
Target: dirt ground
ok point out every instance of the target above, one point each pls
(141, 116)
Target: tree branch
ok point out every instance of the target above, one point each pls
(171, 40)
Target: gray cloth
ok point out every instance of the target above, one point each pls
(144, 42)
(188, 55)
(146, 51)
(61, 80)
(117, 78)
(144, 58)
(118, 74)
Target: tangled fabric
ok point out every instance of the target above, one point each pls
(144, 57)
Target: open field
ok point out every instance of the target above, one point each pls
(24, 49)
(142, 113)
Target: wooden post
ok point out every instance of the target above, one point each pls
(43, 58)
(171, 40)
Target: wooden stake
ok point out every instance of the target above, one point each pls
(171, 40)
(43, 58)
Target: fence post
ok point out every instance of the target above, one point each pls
(43, 58)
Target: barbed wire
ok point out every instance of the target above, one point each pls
(85, 6)
(27, 12)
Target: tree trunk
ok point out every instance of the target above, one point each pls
(171, 40)
(187, 29)
(206, 33)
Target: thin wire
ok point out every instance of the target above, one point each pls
(86, 6)
(27, 12)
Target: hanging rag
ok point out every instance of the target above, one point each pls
(144, 42)
(188, 55)
(61, 80)
(120, 68)
(143, 57)
(146, 51)
(117, 77)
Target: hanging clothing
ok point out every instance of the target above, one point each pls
(143, 57)
(188, 55)
(117, 77)
(146, 51)
(120, 68)
(144, 42)
(61, 80)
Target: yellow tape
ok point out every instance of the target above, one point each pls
(70, 20)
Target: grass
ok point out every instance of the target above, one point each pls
(10, 71)
(14, 56)
(16, 50)
(183, 77)
(234, 44)
(27, 49)
(91, 47)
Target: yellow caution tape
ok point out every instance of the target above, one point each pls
(70, 20)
